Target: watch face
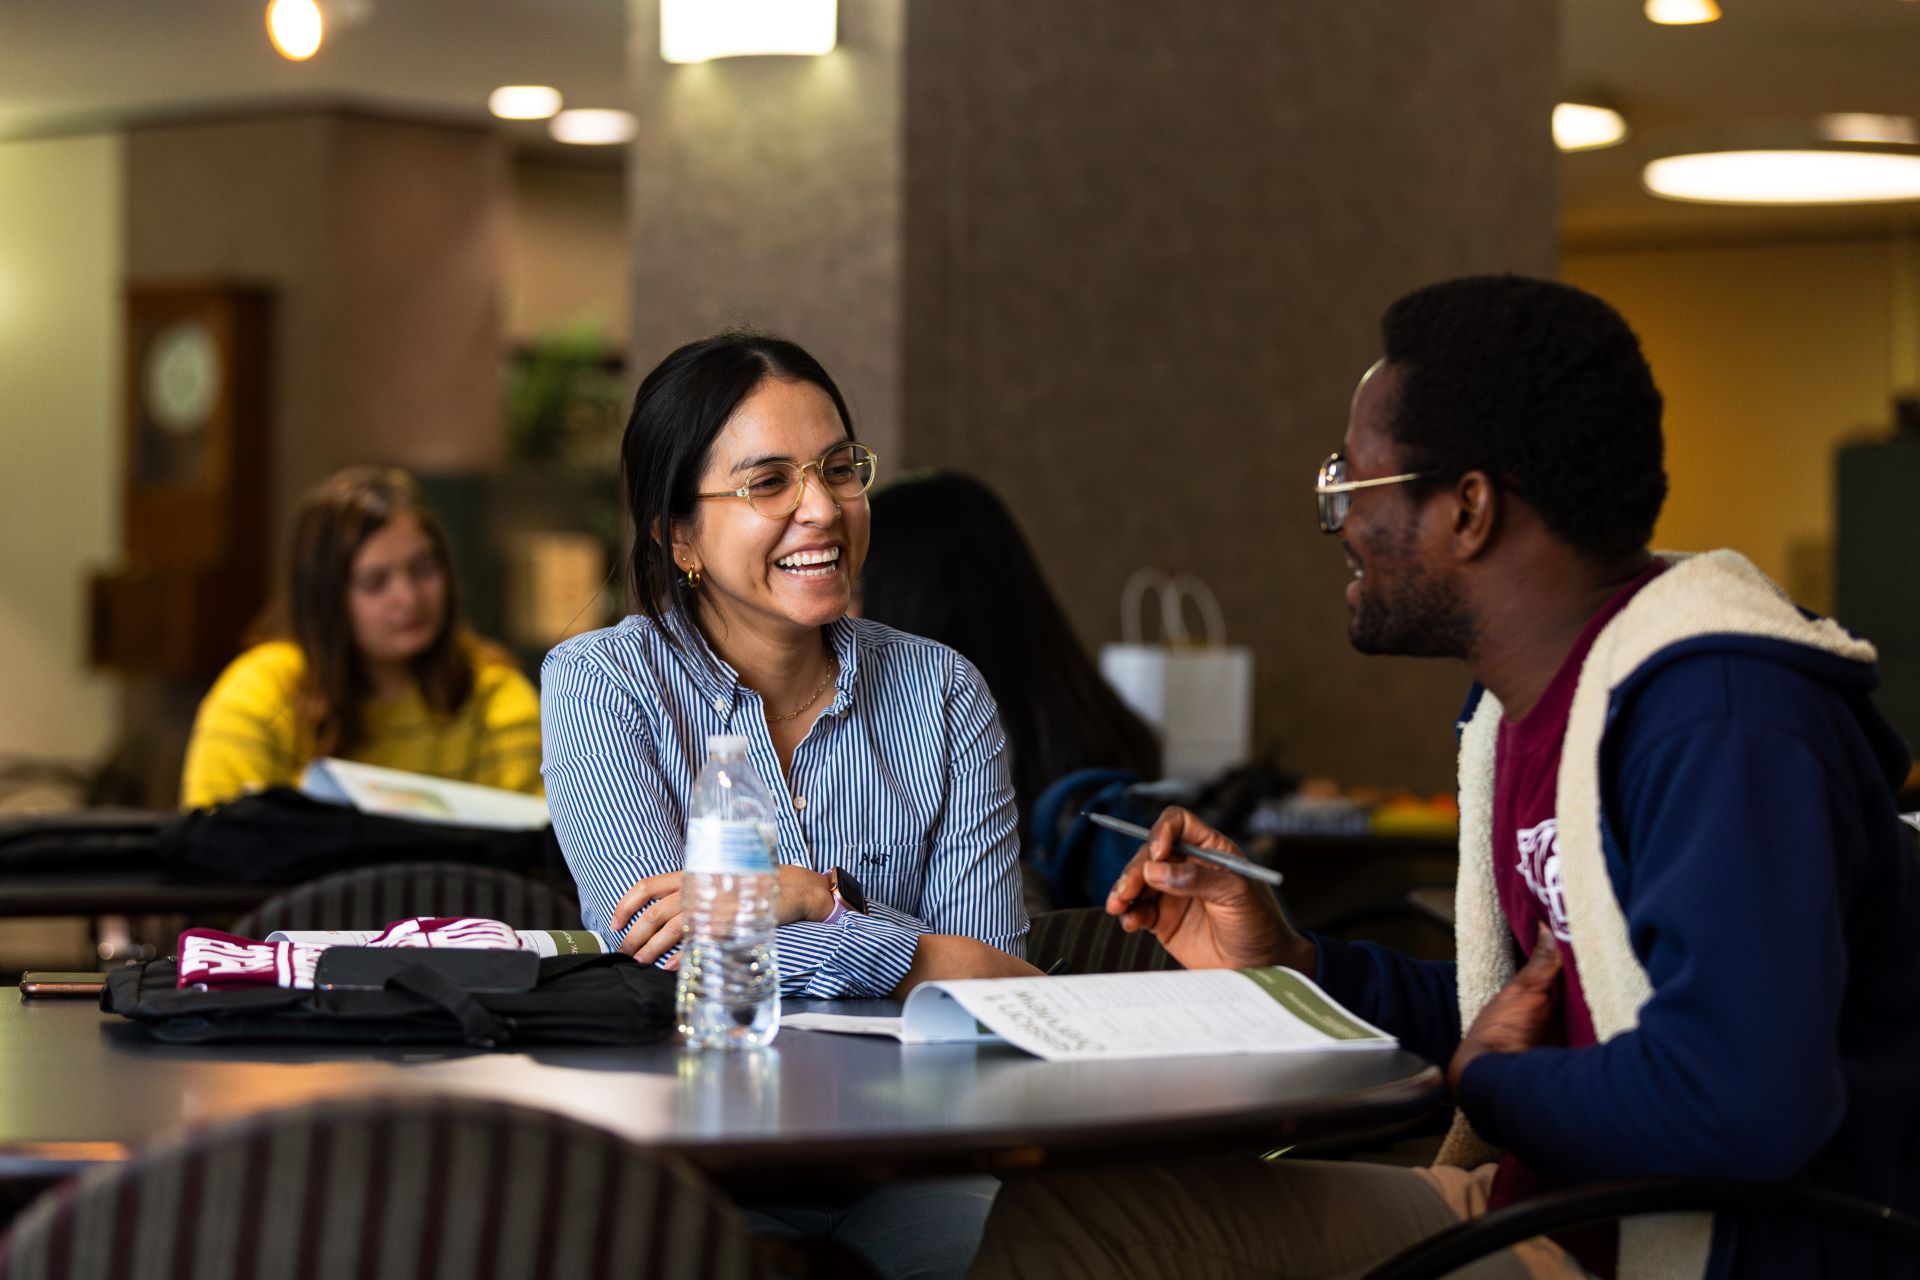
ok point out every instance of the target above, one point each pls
(849, 890)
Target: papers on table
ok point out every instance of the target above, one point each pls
(372, 789)
(1177, 1013)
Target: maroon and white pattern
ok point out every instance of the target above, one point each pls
(211, 960)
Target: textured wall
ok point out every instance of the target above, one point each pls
(60, 213)
(1147, 246)
(766, 192)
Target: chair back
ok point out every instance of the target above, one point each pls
(1091, 941)
(387, 1189)
(374, 897)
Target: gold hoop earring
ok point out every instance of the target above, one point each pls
(693, 577)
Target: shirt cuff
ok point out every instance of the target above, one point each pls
(867, 954)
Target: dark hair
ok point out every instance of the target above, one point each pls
(679, 410)
(334, 520)
(1542, 386)
(948, 562)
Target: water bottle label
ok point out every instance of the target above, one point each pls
(717, 845)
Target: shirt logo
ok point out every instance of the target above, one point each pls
(1540, 868)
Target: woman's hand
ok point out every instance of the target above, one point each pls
(803, 895)
(1205, 916)
(659, 928)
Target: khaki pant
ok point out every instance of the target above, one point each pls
(1307, 1219)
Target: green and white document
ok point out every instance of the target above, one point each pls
(1170, 1014)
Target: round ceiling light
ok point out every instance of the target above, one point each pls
(593, 127)
(296, 28)
(524, 101)
(1786, 177)
(1582, 126)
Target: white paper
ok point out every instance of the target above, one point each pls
(1176, 1013)
(396, 793)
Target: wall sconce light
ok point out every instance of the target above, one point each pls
(1682, 13)
(701, 30)
(296, 28)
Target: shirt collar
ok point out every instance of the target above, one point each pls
(715, 678)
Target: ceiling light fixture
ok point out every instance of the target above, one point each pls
(1584, 126)
(701, 30)
(1682, 13)
(593, 127)
(1801, 177)
(1861, 126)
(524, 101)
(296, 28)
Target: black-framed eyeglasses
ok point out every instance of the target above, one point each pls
(775, 489)
(1333, 491)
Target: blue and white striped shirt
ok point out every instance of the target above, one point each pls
(903, 781)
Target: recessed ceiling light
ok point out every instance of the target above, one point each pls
(1682, 13)
(524, 101)
(296, 28)
(1582, 126)
(1860, 126)
(700, 30)
(593, 127)
(1786, 177)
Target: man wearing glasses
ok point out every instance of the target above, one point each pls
(1684, 902)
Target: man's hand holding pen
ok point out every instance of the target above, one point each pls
(1206, 917)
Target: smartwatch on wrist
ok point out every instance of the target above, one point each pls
(846, 895)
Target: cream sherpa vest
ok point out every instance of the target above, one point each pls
(1716, 593)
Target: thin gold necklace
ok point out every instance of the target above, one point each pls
(832, 671)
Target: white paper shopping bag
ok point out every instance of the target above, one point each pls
(1199, 696)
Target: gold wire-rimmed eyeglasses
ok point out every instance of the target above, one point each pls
(776, 489)
(1332, 490)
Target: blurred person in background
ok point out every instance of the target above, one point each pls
(369, 660)
(952, 565)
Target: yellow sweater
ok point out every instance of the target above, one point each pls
(248, 733)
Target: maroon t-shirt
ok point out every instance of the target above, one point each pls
(1526, 862)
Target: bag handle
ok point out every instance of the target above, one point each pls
(479, 1026)
(1172, 589)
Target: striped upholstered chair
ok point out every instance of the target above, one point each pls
(386, 1190)
(1088, 940)
(373, 897)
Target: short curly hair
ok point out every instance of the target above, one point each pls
(1540, 385)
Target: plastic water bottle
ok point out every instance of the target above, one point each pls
(729, 996)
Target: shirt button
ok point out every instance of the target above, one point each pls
(799, 802)
(719, 704)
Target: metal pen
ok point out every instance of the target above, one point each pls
(1239, 866)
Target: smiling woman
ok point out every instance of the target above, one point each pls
(370, 660)
(897, 839)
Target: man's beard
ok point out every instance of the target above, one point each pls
(1425, 617)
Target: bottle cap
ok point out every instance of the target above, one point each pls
(726, 744)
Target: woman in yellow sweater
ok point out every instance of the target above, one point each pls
(376, 664)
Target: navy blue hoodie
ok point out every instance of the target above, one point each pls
(1773, 898)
